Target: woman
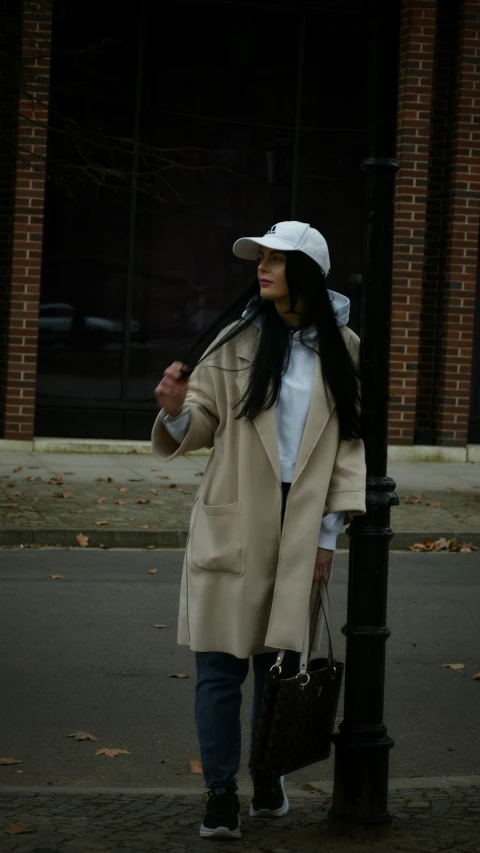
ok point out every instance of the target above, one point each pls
(276, 397)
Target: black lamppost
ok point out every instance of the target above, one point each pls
(362, 744)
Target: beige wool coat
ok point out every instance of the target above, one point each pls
(246, 584)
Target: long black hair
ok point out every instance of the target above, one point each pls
(305, 279)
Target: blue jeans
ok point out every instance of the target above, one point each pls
(217, 710)
(218, 699)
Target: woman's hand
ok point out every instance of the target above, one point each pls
(170, 393)
(323, 563)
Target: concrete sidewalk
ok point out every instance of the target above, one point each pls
(133, 500)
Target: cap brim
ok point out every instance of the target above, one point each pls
(247, 247)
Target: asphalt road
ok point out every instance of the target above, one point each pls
(81, 653)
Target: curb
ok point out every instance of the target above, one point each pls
(324, 786)
(129, 538)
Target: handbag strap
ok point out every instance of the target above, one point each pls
(307, 641)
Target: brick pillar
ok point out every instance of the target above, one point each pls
(27, 233)
(457, 295)
(417, 40)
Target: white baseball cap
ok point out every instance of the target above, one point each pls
(286, 236)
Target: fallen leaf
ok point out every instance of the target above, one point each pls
(310, 789)
(152, 571)
(454, 665)
(453, 489)
(433, 504)
(104, 479)
(36, 499)
(171, 486)
(15, 828)
(121, 501)
(124, 489)
(178, 675)
(135, 479)
(65, 494)
(475, 677)
(16, 470)
(144, 526)
(417, 546)
(153, 491)
(82, 736)
(142, 501)
(164, 477)
(196, 766)
(101, 500)
(112, 752)
(150, 547)
(10, 761)
(161, 626)
(414, 499)
(99, 523)
(55, 482)
(105, 547)
(55, 577)
(82, 540)
(181, 490)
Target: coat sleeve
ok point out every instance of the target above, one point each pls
(348, 481)
(203, 418)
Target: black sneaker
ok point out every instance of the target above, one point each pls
(221, 818)
(269, 798)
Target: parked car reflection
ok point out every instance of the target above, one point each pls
(62, 323)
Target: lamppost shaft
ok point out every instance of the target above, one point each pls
(362, 744)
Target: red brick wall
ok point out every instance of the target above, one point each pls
(461, 257)
(436, 223)
(26, 245)
(9, 76)
(417, 39)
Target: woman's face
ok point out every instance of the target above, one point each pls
(271, 275)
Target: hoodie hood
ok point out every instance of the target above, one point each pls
(340, 305)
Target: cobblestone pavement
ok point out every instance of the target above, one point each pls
(424, 820)
(108, 496)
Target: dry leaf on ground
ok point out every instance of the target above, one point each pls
(82, 736)
(442, 544)
(16, 470)
(15, 828)
(171, 486)
(55, 577)
(453, 665)
(181, 490)
(112, 752)
(152, 571)
(453, 489)
(144, 526)
(55, 481)
(124, 489)
(104, 479)
(121, 501)
(142, 501)
(8, 761)
(310, 789)
(82, 540)
(65, 495)
(414, 499)
(161, 626)
(135, 479)
(164, 477)
(99, 523)
(101, 500)
(196, 766)
(476, 676)
(178, 675)
(433, 504)
(151, 547)
(153, 491)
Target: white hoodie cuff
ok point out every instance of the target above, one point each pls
(332, 524)
(178, 428)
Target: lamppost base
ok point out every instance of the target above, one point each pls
(360, 792)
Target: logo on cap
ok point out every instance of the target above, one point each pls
(272, 230)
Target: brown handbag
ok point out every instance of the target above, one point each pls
(297, 710)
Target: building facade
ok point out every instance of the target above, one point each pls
(140, 145)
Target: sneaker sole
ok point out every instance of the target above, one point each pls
(272, 812)
(220, 832)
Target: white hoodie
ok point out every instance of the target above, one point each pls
(292, 410)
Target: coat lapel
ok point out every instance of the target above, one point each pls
(321, 407)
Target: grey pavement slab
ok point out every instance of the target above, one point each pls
(81, 653)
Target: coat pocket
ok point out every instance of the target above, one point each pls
(216, 542)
